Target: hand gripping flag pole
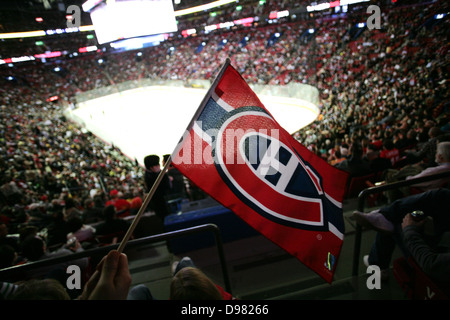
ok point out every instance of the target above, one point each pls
(169, 160)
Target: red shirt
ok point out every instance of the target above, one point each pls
(120, 204)
(393, 155)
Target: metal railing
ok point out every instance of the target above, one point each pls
(377, 189)
(101, 251)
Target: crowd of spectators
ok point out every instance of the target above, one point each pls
(381, 93)
(57, 177)
(387, 83)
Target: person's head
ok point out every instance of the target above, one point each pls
(151, 162)
(192, 284)
(99, 200)
(26, 231)
(165, 158)
(58, 216)
(337, 154)
(434, 132)
(114, 194)
(69, 202)
(411, 134)
(343, 152)
(33, 248)
(40, 289)
(3, 230)
(388, 144)
(74, 224)
(356, 151)
(443, 152)
(7, 256)
(109, 212)
(89, 203)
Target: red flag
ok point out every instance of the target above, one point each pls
(237, 153)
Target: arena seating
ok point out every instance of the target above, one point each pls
(371, 82)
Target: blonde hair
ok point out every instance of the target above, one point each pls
(40, 289)
(192, 284)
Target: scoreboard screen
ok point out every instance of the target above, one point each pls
(124, 19)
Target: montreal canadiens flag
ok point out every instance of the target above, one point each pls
(236, 152)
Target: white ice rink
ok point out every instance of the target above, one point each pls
(152, 120)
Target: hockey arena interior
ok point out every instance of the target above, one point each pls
(90, 89)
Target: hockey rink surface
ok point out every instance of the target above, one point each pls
(152, 120)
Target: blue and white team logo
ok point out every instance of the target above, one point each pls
(266, 173)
